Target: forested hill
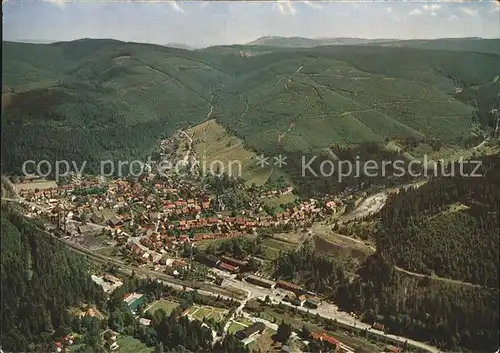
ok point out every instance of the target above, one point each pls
(456, 318)
(449, 227)
(478, 45)
(40, 281)
(91, 100)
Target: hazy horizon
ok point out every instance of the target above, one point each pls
(202, 24)
(48, 41)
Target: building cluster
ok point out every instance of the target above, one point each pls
(55, 192)
(275, 193)
(107, 282)
(133, 300)
(109, 340)
(154, 217)
(63, 345)
(298, 296)
(224, 263)
(250, 333)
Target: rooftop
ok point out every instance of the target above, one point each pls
(250, 330)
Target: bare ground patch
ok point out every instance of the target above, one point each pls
(45, 184)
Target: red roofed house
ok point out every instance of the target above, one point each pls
(288, 286)
(325, 338)
(227, 267)
(393, 349)
(300, 300)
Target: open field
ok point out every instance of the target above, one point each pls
(244, 321)
(272, 247)
(212, 142)
(203, 244)
(129, 344)
(293, 238)
(166, 305)
(448, 152)
(279, 200)
(331, 243)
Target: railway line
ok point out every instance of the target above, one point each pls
(203, 288)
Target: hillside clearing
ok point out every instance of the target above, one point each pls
(213, 143)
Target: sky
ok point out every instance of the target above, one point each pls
(205, 23)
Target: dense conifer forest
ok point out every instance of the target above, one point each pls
(113, 100)
(449, 228)
(41, 280)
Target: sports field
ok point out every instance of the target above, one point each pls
(199, 312)
(166, 305)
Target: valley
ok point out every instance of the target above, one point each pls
(224, 241)
(115, 92)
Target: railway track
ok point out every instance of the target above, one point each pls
(201, 287)
(127, 269)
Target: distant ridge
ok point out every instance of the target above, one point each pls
(180, 46)
(470, 44)
(114, 99)
(301, 42)
(34, 41)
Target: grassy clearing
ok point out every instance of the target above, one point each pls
(346, 242)
(337, 250)
(203, 244)
(129, 344)
(456, 207)
(279, 243)
(244, 321)
(292, 238)
(214, 142)
(279, 200)
(273, 246)
(166, 305)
